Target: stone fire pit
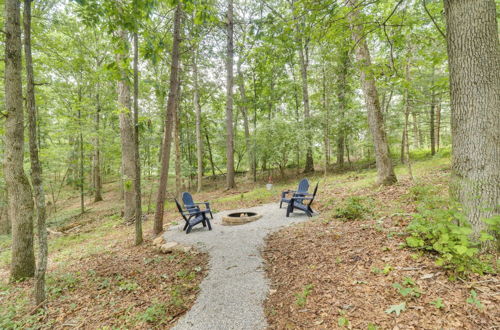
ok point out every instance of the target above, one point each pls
(240, 218)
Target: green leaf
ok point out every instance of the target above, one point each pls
(438, 303)
(414, 242)
(343, 322)
(396, 308)
(486, 237)
(460, 249)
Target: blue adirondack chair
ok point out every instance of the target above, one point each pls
(192, 218)
(301, 191)
(298, 202)
(189, 204)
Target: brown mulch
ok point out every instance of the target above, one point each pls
(342, 264)
(124, 286)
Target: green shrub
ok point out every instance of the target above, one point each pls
(355, 207)
(156, 313)
(447, 233)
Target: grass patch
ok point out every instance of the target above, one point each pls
(354, 208)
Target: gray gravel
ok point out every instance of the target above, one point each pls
(234, 290)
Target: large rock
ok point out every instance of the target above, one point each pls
(159, 241)
(169, 247)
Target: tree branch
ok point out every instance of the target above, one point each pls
(432, 19)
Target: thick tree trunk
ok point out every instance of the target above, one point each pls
(229, 99)
(137, 158)
(5, 225)
(199, 139)
(127, 136)
(385, 169)
(474, 65)
(36, 168)
(20, 201)
(167, 137)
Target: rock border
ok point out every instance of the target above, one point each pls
(234, 221)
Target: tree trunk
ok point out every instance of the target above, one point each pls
(81, 180)
(438, 124)
(304, 63)
(127, 136)
(385, 169)
(406, 101)
(167, 137)
(210, 157)
(342, 87)
(474, 65)
(177, 144)
(20, 201)
(96, 158)
(36, 168)
(432, 111)
(199, 139)
(137, 158)
(432, 129)
(4, 216)
(229, 99)
(244, 112)
(326, 128)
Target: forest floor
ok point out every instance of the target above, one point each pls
(324, 273)
(330, 273)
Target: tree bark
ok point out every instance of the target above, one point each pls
(304, 63)
(210, 157)
(167, 137)
(127, 136)
(438, 124)
(385, 169)
(81, 179)
(244, 112)
(4, 216)
(326, 128)
(406, 100)
(36, 168)
(474, 65)
(229, 98)
(20, 201)
(177, 145)
(96, 158)
(342, 86)
(137, 158)
(432, 130)
(199, 139)
(432, 112)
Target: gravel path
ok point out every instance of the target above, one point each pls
(234, 290)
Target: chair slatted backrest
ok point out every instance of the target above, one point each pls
(314, 194)
(179, 207)
(187, 199)
(303, 186)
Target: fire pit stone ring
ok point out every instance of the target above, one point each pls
(240, 218)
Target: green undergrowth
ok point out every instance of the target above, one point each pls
(354, 208)
(441, 228)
